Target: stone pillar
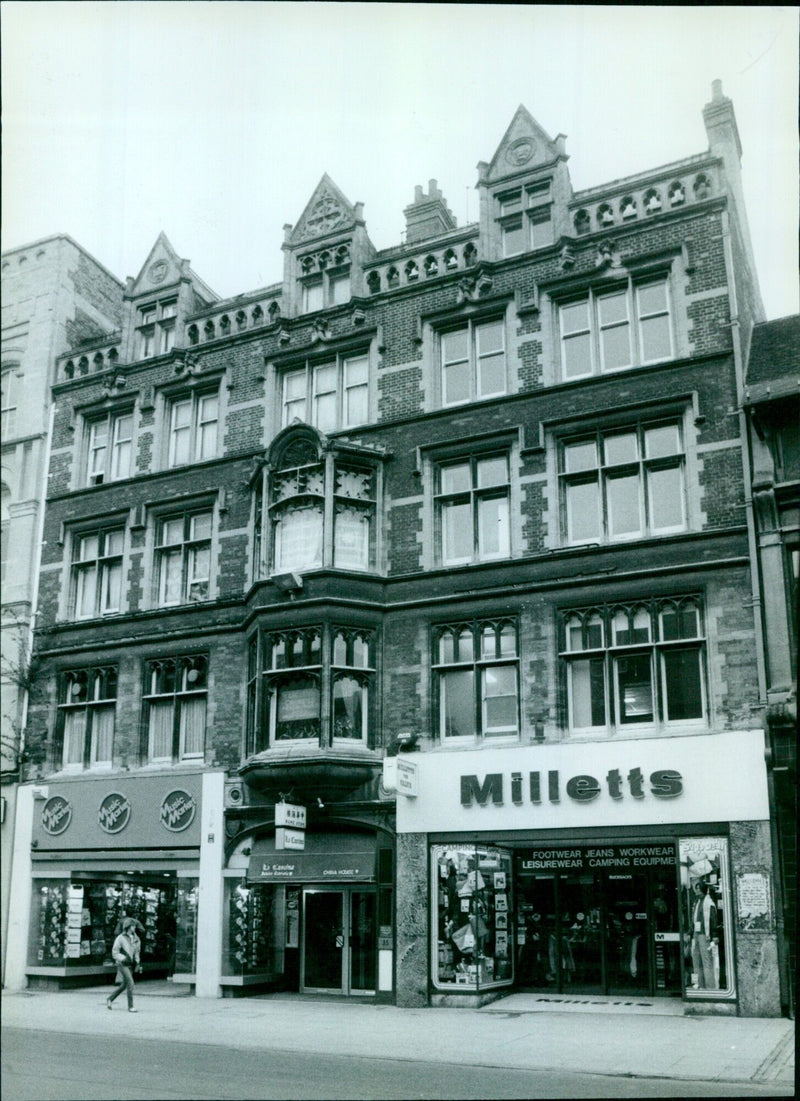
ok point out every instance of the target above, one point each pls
(209, 910)
(412, 920)
(758, 983)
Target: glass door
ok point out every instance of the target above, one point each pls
(323, 941)
(581, 956)
(339, 941)
(362, 942)
(627, 942)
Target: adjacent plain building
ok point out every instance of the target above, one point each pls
(398, 635)
(55, 296)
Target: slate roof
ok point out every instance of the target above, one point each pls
(775, 355)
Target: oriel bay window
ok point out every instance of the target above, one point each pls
(97, 572)
(86, 715)
(610, 330)
(175, 697)
(331, 395)
(183, 557)
(322, 510)
(316, 686)
(473, 361)
(109, 448)
(624, 483)
(634, 665)
(472, 505)
(476, 666)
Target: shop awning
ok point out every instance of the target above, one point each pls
(327, 858)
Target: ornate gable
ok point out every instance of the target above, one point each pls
(524, 146)
(327, 212)
(162, 268)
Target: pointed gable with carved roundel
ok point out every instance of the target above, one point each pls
(524, 189)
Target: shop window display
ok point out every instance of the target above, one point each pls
(705, 912)
(74, 923)
(253, 940)
(186, 933)
(474, 919)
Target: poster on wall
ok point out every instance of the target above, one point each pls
(706, 917)
(754, 902)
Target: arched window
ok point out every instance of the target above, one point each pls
(470, 255)
(224, 325)
(431, 266)
(374, 282)
(412, 271)
(676, 193)
(98, 362)
(582, 222)
(193, 335)
(450, 260)
(208, 330)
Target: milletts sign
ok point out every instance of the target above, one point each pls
(703, 778)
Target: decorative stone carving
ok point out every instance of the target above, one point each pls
(325, 216)
(114, 388)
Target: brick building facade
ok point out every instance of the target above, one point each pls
(405, 541)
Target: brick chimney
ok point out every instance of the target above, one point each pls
(428, 216)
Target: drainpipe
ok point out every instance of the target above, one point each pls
(39, 544)
(736, 337)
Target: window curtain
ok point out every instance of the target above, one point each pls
(160, 739)
(102, 735)
(193, 727)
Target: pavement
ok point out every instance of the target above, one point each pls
(647, 1039)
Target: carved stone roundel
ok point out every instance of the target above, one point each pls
(157, 272)
(520, 151)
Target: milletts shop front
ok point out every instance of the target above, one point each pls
(636, 870)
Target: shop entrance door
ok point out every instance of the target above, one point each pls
(338, 950)
(627, 940)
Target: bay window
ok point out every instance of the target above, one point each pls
(293, 706)
(322, 510)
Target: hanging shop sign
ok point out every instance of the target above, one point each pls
(178, 810)
(56, 815)
(289, 839)
(290, 814)
(698, 778)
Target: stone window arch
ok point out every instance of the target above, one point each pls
(702, 186)
(374, 282)
(676, 193)
(392, 278)
(193, 335)
(307, 265)
(69, 369)
(627, 208)
(83, 365)
(274, 312)
(412, 271)
(113, 356)
(582, 222)
(605, 215)
(323, 260)
(224, 325)
(431, 266)
(342, 255)
(241, 320)
(450, 260)
(470, 255)
(208, 330)
(258, 316)
(652, 201)
(98, 362)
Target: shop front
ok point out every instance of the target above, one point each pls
(106, 848)
(640, 869)
(315, 921)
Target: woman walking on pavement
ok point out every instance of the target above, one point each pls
(126, 953)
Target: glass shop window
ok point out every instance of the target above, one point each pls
(473, 923)
(253, 930)
(706, 917)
